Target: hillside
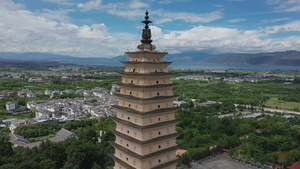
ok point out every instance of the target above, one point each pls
(287, 58)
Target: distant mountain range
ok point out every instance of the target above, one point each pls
(286, 58)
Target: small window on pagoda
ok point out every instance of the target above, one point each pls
(157, 93)
(158, 106)
(129, 105)
(133, 70)
(128, 131)
(128, 118)
(157, 82)
(159, 160)
(131, 81)
(158, 119)
(130, 93)
(127, 159)
(159, 133)
(159, 146)
(155, 71)
(127, 145)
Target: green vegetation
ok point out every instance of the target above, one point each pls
(252, 139)
(58, 84)
(257, 94)
(84, 153)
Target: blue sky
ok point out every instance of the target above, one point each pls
(107, 28)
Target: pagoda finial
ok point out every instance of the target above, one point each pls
(146, 31)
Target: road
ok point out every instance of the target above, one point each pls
(281, 111)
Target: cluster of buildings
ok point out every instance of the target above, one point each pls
(14, 75)
(96, 102)
(21, 93)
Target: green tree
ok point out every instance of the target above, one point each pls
(292, 156)
(5, 146)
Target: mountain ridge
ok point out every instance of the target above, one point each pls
(284, 58)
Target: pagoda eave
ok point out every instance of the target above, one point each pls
(130, 110)
(148, 74)
(156, 167)
(151, 52)
(120, 161)
(167, 164)
(145, 127)
(146, 86)
(144, 99)
(148, 141)
(136, 62)
(126, 150)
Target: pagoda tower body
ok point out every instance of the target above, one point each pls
(145, 122)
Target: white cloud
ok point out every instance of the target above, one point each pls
(59, 15)
(10, 5)
(96, 31)
(165, 2)
(291, 26)
(236, 20)
(275, 20)
(136, 4)
(285, 5)
(222, 40)
(90, 5)
(188, 17)
(136, 8)
(39, 34)
(60, 2)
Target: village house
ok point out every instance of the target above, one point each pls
(11, 106)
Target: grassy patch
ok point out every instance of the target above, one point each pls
(274, 102)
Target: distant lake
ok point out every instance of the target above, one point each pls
(215, 66)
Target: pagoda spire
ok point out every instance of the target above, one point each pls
(146, 36)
